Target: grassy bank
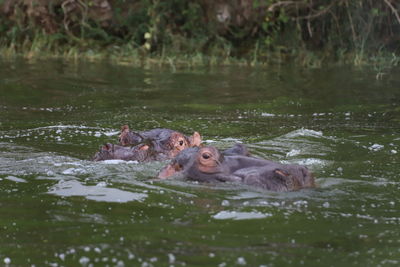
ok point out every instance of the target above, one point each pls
(205, 32)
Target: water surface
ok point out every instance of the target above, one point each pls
(59, 208)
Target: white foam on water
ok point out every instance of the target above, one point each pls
(376, 147)
(15, 179)
(95, 131)
(119, 161)
(74, 171)
(304, 132)
(245, 195)
(230, 139)
(332, 181)
(96, 193)
(265, 114)
(102, 184)
(62, 127)
(293, 152)
(111, 133)
(239, 215)
(307, 162)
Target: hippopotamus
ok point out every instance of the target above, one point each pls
(164, 141)
(141, 153)
(156, 144)
(237, 149)
(208, 164)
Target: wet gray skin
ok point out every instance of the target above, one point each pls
(186, 159)
(237, 149)
(164, 143)
(140, 153)
(207, 164)
(131, 138)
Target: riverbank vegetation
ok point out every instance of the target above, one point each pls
(204, 32)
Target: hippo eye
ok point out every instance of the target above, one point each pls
(205, 156)
(181, 143)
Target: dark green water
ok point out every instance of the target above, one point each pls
(58, 208)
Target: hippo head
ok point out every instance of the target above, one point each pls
(195, 161)
(164, 141)
(176, 142)
(139, 153)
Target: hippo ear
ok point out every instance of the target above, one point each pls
(144, 147)
(106, 147)
(122, 135)
(195, 139)
(124, 128)
(128, 137)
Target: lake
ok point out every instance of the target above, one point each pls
(59, 208)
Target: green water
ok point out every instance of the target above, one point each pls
(58, 208)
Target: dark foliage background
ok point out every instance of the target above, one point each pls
(261, 30)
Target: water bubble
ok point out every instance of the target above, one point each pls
(171, 258)
(102, 184)
(84, 260)
(241, 261)
(7, 260)
(376, 147)
(225, 203)
(264, 114)
(300, 203)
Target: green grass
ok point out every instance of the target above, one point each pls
(45, 46)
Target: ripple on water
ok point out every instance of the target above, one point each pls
(303, 132)
(300, 143)
(70, 135)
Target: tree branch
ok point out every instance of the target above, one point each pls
(393, 10)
